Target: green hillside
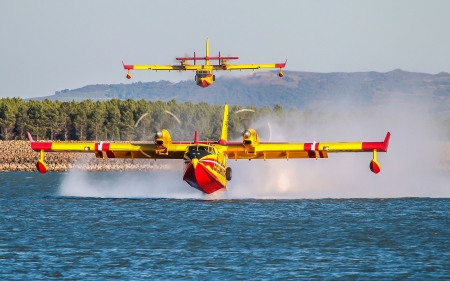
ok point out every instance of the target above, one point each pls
(298, 90)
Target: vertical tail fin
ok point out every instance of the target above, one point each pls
(207, 52)
(196, 137)
(224, 134)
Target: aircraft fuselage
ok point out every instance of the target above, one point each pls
(204, 78)
(205, 168)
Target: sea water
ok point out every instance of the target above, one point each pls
(48, 232)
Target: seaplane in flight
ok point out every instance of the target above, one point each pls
(205, 162)
(204, 76)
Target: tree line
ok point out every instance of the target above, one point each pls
(119, 120)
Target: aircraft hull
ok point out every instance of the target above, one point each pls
(202, 178)
(205, 81)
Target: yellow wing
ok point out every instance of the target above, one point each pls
(163, 148)
(251, 148)
(226, 66)
(183, 66)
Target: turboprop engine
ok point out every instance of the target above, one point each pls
(250, 139)
(162, 141)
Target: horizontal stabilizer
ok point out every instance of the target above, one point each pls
(207, 58)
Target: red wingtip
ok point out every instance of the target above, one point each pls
(127, 66)
(30, 138)
(281, 65)
(386, 141)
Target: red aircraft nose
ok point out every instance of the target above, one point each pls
(197, 176)
(204, 83)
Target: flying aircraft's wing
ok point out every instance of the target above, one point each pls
(115, 150)
(251, 149)
(161, 67)
(248, 66)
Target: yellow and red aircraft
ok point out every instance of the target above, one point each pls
(204, 76)
(205, 162)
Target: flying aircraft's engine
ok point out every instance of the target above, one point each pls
(162, 141)
(250, 140)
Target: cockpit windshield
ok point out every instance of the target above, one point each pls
(198, 151)
(202, 73)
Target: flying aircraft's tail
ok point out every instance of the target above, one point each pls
(224, 134)
(207, 52)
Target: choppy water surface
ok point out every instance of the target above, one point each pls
(44, 235)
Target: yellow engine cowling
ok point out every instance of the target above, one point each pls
(162, 141)
(250, 140)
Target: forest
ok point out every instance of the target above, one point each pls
(138, 120)
(121, 120)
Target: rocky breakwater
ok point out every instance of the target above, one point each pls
(18, 156)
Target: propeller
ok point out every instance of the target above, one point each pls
(164, 120)
(263, 129)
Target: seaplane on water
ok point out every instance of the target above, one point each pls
(204, 76)
(205, 162)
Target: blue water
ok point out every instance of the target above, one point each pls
(44, 235)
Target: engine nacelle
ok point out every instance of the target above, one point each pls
(250, 139)
(162, 141)
(41, 166)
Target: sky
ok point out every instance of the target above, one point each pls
(48, 46)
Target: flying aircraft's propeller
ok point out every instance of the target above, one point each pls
(264, 131)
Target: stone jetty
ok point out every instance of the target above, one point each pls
(18, 156)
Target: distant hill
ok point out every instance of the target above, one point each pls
(295, 90)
